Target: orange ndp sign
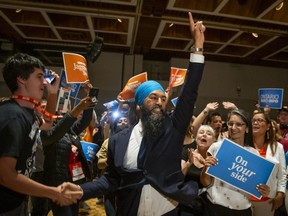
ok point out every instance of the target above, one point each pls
(177, 76)
(75, 66)
(131, 86)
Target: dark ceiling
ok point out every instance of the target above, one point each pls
(158, 29)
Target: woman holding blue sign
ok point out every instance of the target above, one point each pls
(222, 198)
(264, 141)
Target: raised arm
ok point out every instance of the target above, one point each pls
(185, 104)
(201, 117)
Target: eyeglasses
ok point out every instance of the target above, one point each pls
(237, 124)
(258, 120)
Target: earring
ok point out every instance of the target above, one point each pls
(267, 134)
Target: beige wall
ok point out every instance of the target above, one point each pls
(220, 80)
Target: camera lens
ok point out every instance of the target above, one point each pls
(94, 99)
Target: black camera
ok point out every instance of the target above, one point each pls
(93, 93)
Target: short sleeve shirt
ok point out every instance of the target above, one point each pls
(18, 129)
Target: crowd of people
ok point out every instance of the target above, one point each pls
(150, 161)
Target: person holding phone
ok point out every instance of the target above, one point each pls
(19, 126)
(93, 93)
(64, 156)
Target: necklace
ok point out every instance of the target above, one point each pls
(37, 105)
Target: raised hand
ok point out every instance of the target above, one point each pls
(53, 88)
(197, 30)
(229, 105)
(120, 99)
(212, 106)
(84, 104)
(87, 86)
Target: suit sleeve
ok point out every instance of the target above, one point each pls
(186, 101)
(107, 183)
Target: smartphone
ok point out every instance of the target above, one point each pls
(48, 76)
(93, 93)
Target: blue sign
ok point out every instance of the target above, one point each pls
(272, 97)
(241, 168)
(89, 149)
(73, 86)
(111, 104)
(76, 102)
(174, 101)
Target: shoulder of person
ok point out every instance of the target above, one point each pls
(214, 147)
(251, 149)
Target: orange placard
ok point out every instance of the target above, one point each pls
(76, 68)
(177, 76)
(129, 90)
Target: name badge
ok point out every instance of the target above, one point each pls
(76, 171)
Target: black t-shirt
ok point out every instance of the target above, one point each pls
(18, 129)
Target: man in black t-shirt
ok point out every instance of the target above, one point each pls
(23, 74)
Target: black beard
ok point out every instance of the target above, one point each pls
(121, 127)
(152, 122)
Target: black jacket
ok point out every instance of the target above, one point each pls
(57, 143)
(162, 161)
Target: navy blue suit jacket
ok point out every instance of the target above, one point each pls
(162, 163)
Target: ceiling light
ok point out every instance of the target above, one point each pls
(171, 25)
(279, 7)
(119, 20)
(18, 10)
(255, 35)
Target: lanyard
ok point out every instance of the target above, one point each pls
(37, 105)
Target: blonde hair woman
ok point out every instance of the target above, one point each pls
(192, 163)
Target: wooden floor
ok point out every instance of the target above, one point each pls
(95, 209)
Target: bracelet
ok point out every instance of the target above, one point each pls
(196, 49)
(205, 112)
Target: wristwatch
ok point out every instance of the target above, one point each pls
(195, 49)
